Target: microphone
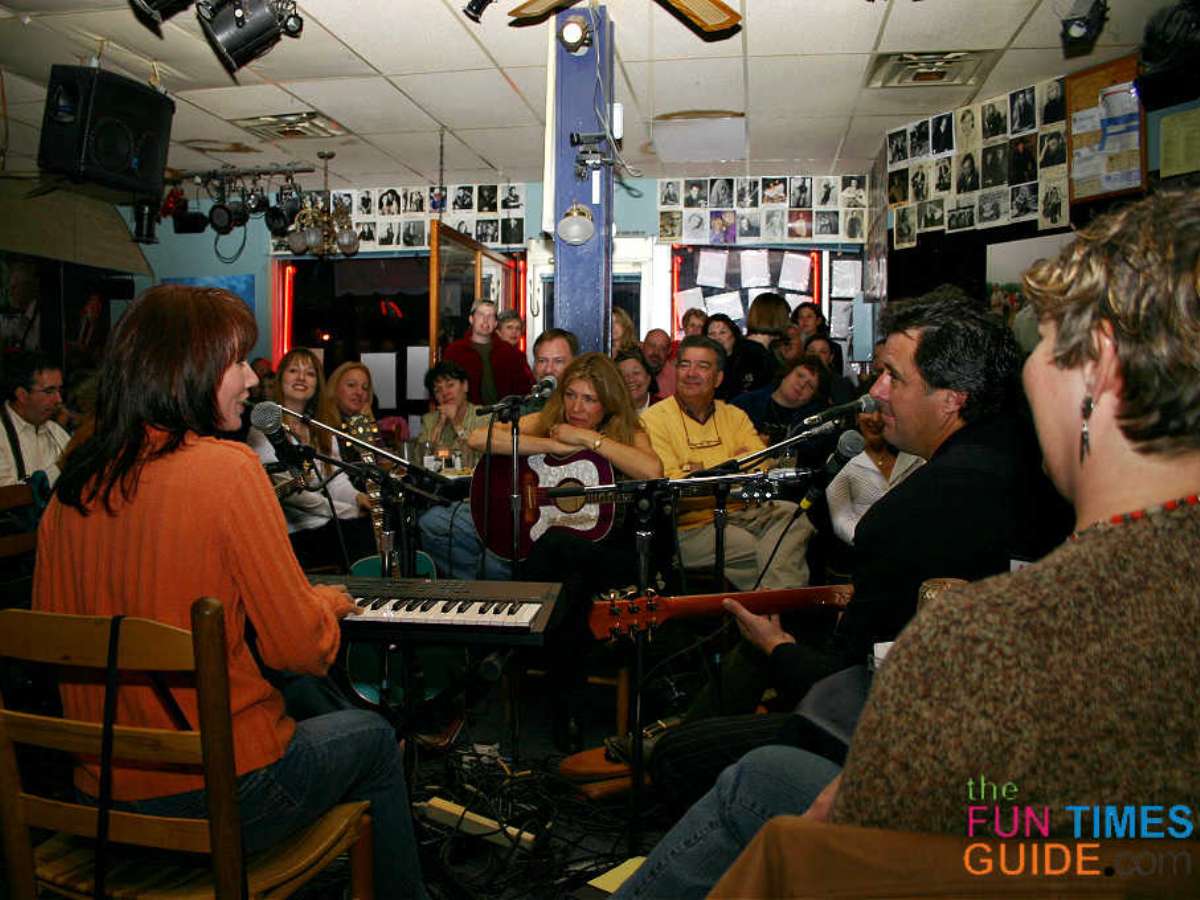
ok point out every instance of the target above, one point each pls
(866, 403)
(544, 388)
(849, 445)
(267, 417)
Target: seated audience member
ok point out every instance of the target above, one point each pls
(657, 348)
(32, 441)
(448, 426)
(1096, 723)
(692, 431)
(152, 512)
(266, 376)
(841, 389)
(947, 396)
(809, 319)
(494, 368)
(347, 393)
(448, 532)
(510, 328)
(589, 410)
(693, 321)
(776, 410)
(866, 477)
(767, 322)
(624, 334)
(316, 530)
(636, 372)
(748, 364)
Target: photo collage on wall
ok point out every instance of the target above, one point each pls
(1000, 161)
(763, 210)
(398, 218)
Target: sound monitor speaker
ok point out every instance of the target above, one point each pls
(103, 129)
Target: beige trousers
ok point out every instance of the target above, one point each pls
(750, 536)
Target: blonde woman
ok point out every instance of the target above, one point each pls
(624, 334)
(310, 513)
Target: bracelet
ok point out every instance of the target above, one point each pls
(596, 444)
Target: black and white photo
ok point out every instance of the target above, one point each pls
(1022, 159)
(943, 176)
(413, 233)
(747, 193)
(995, 165)
(931, 215)
(670, 225)
(897, 142)
(512, 228)
(366, 204)
(826, 187)
(514, 197)
(854, 191)
(854, 224)
(774, 227)
(941, 139)
(1051, 102)
(749, 225)
(485, 200)
(1023, 204)
(774, 192)
(464, 198)
(961, 216)
(992, 208)
(1022, 117)
(695, 193)
(1052, 149)
(897, 187)
(918, 139)
(826, 223)
(905, 226)
(966, 127)
(800, 192)
(414, 200)
(995, 118)
(389, 203)
(720, 193)
(668, 193)
(487, 231)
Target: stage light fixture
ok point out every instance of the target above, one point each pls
(157, 10)
(220, 218)
(1082, 26)
(243, 30)
(575, 34)
(276, 221)
(145, 221)
(475, 8)
(576, 226)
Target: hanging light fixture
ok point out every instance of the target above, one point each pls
(576, 226)
(320, 231)
(243, 30)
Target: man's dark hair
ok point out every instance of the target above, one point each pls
(960, 347)
(21, 369)
(445, 369)
(552, 334)
(705, 343)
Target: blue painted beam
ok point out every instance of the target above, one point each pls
(583, 274)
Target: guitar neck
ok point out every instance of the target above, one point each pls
(760, 602)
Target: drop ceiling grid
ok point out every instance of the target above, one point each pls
(371, 105)
(779, 28)
(953, 24)
(479, 98)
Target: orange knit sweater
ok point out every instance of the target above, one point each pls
(203, 522)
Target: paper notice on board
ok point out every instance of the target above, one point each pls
(712, 268)
(840, 317)
(729, 303)
(794, 300)
(847, 277)
(1086, 120)
(1086, 162)
(756, 271)
(692, 298)
(796, 272)
(1179, 149)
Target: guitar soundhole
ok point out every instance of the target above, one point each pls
(570, 504)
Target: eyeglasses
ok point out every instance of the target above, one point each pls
(702, 444)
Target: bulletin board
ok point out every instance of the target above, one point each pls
(731, 285)
(1106, 136)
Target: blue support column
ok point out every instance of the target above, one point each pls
(583, 274)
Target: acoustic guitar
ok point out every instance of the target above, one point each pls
(616, 616)
(539, 513)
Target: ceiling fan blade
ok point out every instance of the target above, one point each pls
(707, 15)
(535, 9)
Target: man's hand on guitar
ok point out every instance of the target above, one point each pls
(764, 632)
(363, 501)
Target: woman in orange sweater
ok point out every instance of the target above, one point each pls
(153, 511)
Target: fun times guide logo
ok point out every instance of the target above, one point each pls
(1025, 848)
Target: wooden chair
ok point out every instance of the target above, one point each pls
(63, 864)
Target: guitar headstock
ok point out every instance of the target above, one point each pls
(617, 614)
(362, 427)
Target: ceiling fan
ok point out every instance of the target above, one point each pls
(707, 15)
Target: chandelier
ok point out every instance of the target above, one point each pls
(327, 230)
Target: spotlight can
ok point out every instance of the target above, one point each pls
(475, 8)
(239, 31)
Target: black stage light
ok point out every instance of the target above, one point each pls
(276, 221)
(239, 30)
(157, 10)
(475, 8)
(145, 221)
(1082, 25)
(189, 222)
(220, 217)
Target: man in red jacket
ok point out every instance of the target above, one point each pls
(494, 369)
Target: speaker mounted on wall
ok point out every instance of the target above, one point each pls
(105, 130)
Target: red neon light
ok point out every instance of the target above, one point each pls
(676, 264)
(815, 268)
(289, 298)
(522, 296)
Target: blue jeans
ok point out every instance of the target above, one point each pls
(692, 856)
(334, 758)
(448, 535)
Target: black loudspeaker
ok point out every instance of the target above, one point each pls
(103, 129)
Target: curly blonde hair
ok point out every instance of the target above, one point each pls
(629, 336)
(1137, 269)
(327, 408)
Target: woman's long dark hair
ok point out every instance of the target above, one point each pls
(161, 369)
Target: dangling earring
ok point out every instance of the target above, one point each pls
(1085, 411)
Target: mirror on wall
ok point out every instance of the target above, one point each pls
(461, 271)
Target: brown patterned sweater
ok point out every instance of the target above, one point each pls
(1076, 679)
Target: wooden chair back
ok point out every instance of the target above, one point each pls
(81, 642)
(16, 496)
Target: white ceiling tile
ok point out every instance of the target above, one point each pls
(953, 24)
(181, 157)
(400, 39)
(1125, 25)
(479, 98)
(684, 84)
(23, 139)
(1019, 68)
(354, 156)
(795, 137)
(531, 82)
(914, 101)
(29, 113)
(263, 153)
(506, 147)
(364, 105)
(62, 6)
(192, 123)
(30, 49)
(22, 90)
(866, 133)
(315, 54)
(506, 44)
(419, 151)
(246, 100)
(775, 83)
(786, 27)
(21, 165)
(846, 165)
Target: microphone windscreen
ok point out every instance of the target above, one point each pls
(868, 404)
(267, 417)
(850, 444)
